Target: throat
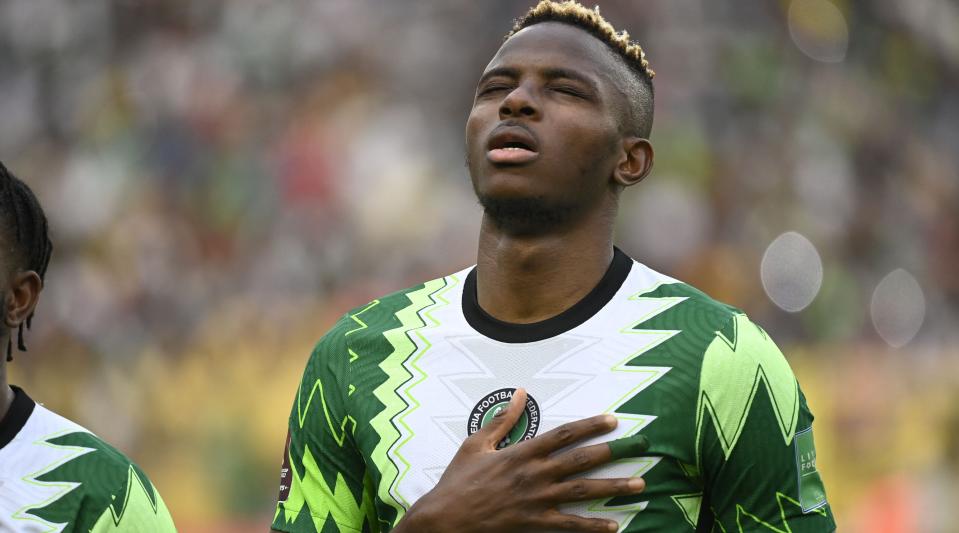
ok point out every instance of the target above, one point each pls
(523, 283)
(529, 310)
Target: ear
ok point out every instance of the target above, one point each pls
(22, 298)
(635, 162)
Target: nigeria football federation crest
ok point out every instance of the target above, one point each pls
(497, 402)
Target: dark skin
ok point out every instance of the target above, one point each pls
(517, 489)
(561, 84)
(560, 88)
(585, 160)
(21, 291)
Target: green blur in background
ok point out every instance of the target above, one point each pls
(224, 179)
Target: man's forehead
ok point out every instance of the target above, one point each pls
(554, 44)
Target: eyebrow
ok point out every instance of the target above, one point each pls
(551, 73)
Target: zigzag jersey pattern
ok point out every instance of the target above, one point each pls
(57, 477)
(389, 393)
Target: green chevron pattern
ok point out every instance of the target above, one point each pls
(740, 357)
(100, 490)
(383, 423)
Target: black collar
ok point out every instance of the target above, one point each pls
(580, 312)
(16, 417)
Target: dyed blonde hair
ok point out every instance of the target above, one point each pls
(575, 14)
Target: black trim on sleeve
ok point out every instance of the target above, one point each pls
(16, 417)
(580, 312)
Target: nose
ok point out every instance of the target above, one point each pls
(519, 103)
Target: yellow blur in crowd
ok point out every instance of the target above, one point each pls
(224, 179)
(210, 427)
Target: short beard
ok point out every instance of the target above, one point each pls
(526, 216)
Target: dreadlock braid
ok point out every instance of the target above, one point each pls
(25, 227)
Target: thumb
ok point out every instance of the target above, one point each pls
(503, 421)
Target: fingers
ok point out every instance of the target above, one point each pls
(555, 520)
(578, 490)
(634, 446)
(497, 429)
(569, 433)
(583, 459)
(579, 460)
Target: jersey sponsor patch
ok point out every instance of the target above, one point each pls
(812, 495)
(496, 402)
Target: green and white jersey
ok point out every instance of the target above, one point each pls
(392, 390)
(55, 476)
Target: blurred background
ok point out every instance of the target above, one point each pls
(224, 179)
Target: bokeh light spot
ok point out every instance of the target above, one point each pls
(819, 30)
(791, 272)
(898, 308)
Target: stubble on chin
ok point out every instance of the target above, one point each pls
(528, 216)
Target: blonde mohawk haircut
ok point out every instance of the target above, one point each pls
(575, 14)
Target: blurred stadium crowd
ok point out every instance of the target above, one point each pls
(224, 179)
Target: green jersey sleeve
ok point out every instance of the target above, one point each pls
(139, 513)
(110, 493)
(755, 439)
(323, 475)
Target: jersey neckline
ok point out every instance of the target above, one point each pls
(16, 417)
(580, 312)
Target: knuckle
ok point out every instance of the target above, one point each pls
(578, 489)
(468, 445)
(579, 458)
(521, 480)
(490, 426)
(512, 461)
(564, 434)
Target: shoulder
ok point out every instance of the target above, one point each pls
(716, 327)
(394, 312)
(736, 359)
(676, 305)
(708, 332)
(108, 486)
(95, 463)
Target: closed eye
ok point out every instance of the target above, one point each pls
(570, 91)
(493, 88)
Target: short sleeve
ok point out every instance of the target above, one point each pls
(108, 492)
(755, 439)
(140, 513)
(321, 485)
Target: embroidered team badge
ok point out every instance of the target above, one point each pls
(498, 401)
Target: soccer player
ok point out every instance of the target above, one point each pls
(54, 474)
(464, 404)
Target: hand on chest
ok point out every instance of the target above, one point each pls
(462, 381)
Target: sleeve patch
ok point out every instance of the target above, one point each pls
(812, 494)
(286, 480)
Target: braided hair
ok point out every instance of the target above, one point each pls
(23, 227)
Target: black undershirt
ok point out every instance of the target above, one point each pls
(16, 417)
(580, 312)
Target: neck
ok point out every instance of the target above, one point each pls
(6, 393)
(527, 279)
